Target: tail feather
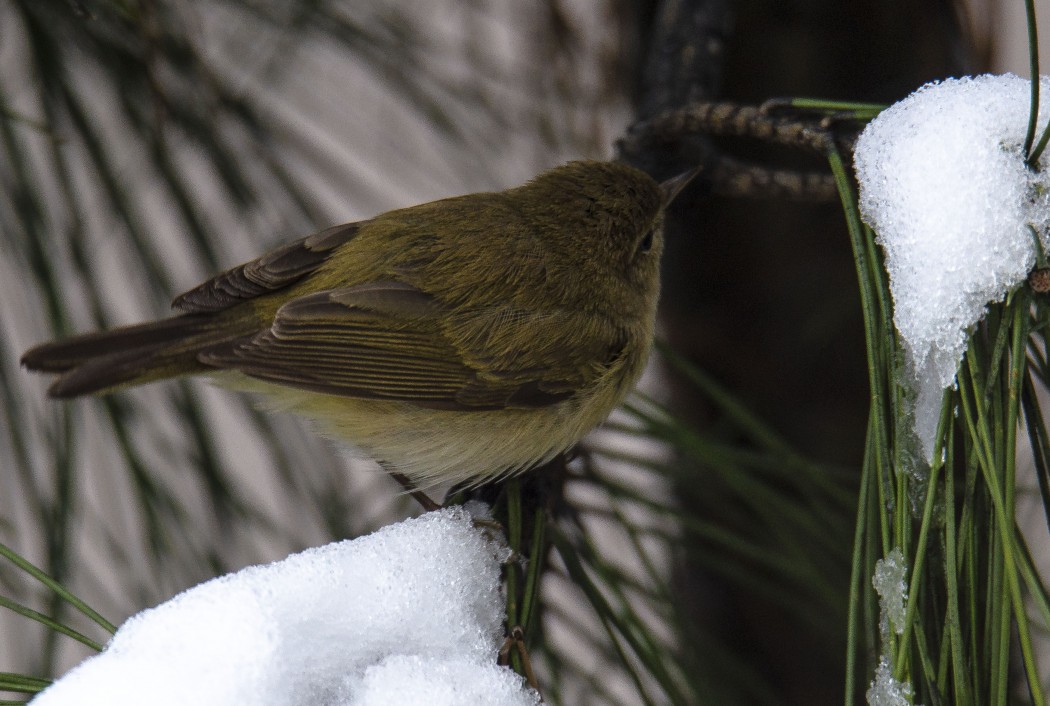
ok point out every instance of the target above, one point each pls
(97, 363)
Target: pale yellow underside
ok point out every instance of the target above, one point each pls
(436, 447)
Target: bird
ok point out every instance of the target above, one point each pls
(457, 341)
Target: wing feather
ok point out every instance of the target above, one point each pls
(389, 341)
(275, 270)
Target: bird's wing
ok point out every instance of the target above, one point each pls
(275, 270)
(391, 341)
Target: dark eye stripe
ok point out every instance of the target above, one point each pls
(647, 242)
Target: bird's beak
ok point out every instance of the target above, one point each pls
(674, 185)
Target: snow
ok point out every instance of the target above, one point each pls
(889, 583)
(887, 691)
(944, 186)
(411, 614)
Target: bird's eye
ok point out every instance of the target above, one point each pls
(647, 242)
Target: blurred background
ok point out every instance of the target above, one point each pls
(145, 145)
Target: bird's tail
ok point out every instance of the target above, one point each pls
(99, 363)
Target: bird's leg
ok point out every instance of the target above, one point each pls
(516, 641)
(424, 500)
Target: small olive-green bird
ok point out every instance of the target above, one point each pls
(455, 341)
